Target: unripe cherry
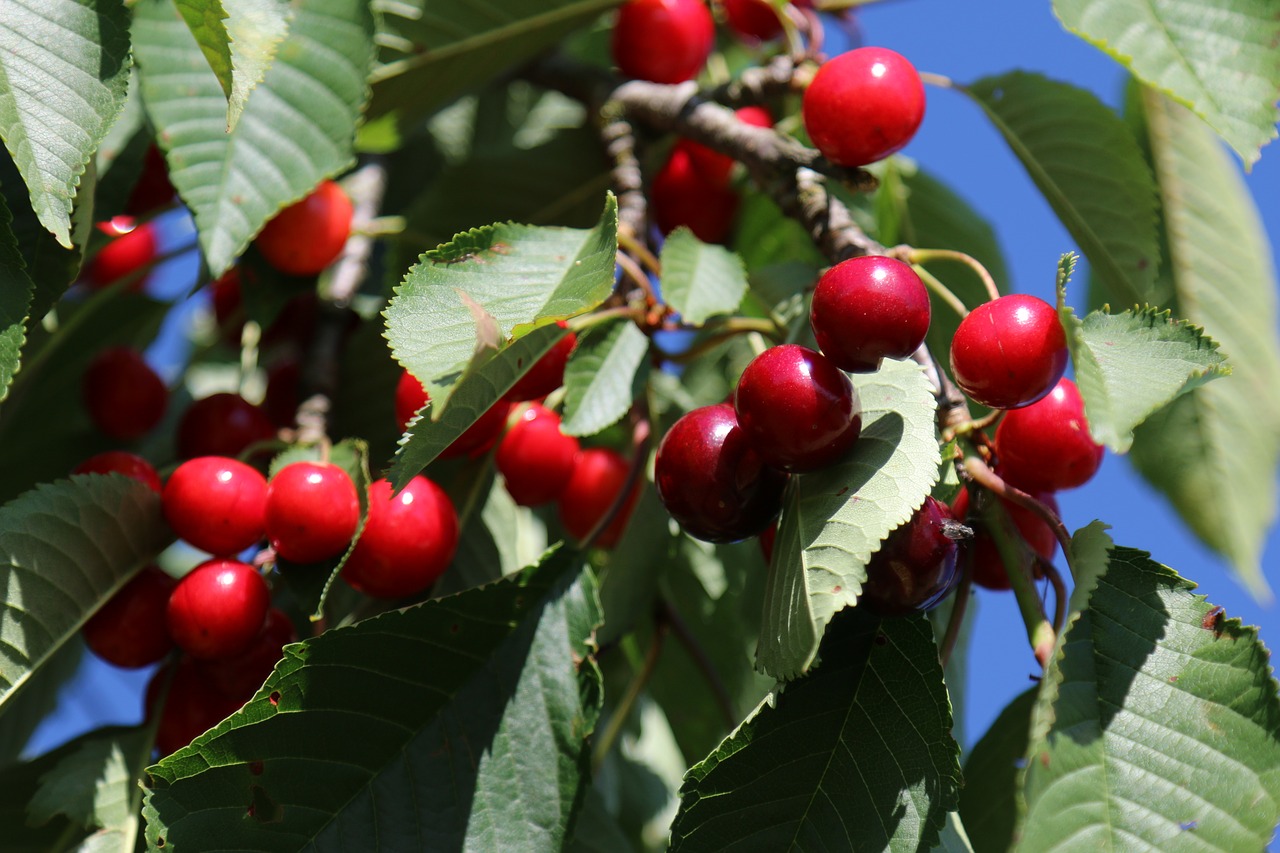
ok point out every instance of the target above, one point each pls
(868, 308)
(312, 511)
(1009, 352)
(535, 458)
(1047, 444)
(218, 609)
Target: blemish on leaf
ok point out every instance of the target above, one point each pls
(274, 698)
(1044, 759)
(881, 640)
(255, 768)
(837, 588)
(1213, 620)
(455, 628)
(1189, 825)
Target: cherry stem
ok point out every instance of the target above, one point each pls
(639, 251)
(923, 256)
(633, 271)
(639, 457)
(992, 481)
(701, 660)
(1059, 592)
(939, 80)
(941, 290)
(627, 703)
(621, 312)
(959, 607)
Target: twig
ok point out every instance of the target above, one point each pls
(758, 84)
(633, 271)
(959, 606)
(701, 660)
(1059, 592)
(639, 456)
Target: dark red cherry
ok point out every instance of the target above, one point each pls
(129, 629)
(868, 308)
(681, 196)
(408, 541)
(767, 537)
(218, 609)
(281, 401)
(1047, 444)
(546, 374)
(476, 440)
(714, 167)
(153, 188)
(1009, 352)
(125, 398)
(915, 567)
(192, 705)
(312, 511)
(665, 41)
(988, 569)
(217, 504)
(598, 478)
(222, 424)
(228, 305)
(753, 20)
(121, 462)
(535, 458)
(712, 481)
(132, 247)
(240, 677)
(308, 235)
(863, 105)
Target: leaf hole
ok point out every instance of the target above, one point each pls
(881, 640)
(274, 698)
(160, 841)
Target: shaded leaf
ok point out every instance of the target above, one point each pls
(497, 539)
(16, 289)
(38, 699)
(988, 801)
(95, 785)
(601, 377)
(700, 280)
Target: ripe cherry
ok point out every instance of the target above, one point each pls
(1009, 352)
(681, 196)
(546, 374)
(125, 398)
(869, 308)
(797, 409)
(714, 167)
(228, 305)
(988, 569)
(535, 458)
(312, 511)
(915, 567)
(129, 629)
(665, 41)
(1047, 444)
(132, 247)
(408, 540)
(281, 400)
(712, 481)
(192, 705)
(153, 188)
(863, 106)
(218, 609)
(477, 439)
(222, 424)
(598, 479)
(121, 462)
(753, 20)
(767, 537)
(240, 677)
(308, 235)
(216, 504)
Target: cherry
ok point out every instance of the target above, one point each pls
(988, 569)
(281, 401)
(192, 706)
(535, 458)
(681, 196)
(132, 247)
(121, 462)
(240, 677)
(869, 308)
(312, 511)
(863, 105)
(713, 166)
(308, 235)
(712, 480)
(217, 504)
(797, 409)
(546, 374)
(476, 440)
(664, 41)
(598, 479)
(408, 540)
(1009, 352)
(217, 610)
(222, 424)
(1047, 444)
(129, 630)
(767, 537)
(228, 305)
(915, 567)
(153, 188)
(125, 398)
(753, 20)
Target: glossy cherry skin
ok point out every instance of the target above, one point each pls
(408, 540)
(121, 462)
(535, 458)
(132, 247)
(915, 567)
(598, 479)
(863, 106)
(308, 235)
(312, 511)
(125, 398)
(767, 537)
(239, 677)
(129, 630)
(988, 569)
(192, 706)
(665, 41)
(546, 374)
(222, 424)
(476, 440)
(797, 409)
(216, 504)
(710, 164)
(753, 20)
(153, 188)
(712, 481)
(681, 196)
(868, 308)
(217, 610)
(1009, 352)
(1047, 444)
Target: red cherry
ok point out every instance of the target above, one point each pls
(129, 629)
(797, 409)
(240, 677)
(153, 188)
(312, 511)
(121, 462)
(408, 540)
(546, 374)
(476, 440)
(217, 504)
(191, 707)
(597, 480)
(767, 537)
(712, 166)
(1009, 352)
(281, 401)
(222, 425)
(1047, 444)
(863, 106)
(712, 481)
(217, 610)
(988, 569)
(535, 458)
(753, 20)
(681, 196)
(869, 308)
(228, 305)
(133, 247)
(125, 398)
(665, 41)
(308, 235)
(915, 567)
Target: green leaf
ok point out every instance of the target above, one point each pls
(700, 280)
(1225, 437)
(472, 714)
(601, 378)
(16, 289)
(38, 700)
(1218, 57)
(298, 129)
(834, 520)
(516, 275)
(988, 802)
(435, 51)
(64, 76)
(1131, 364)
(857, 755)
(1157, 724)
(1089, 168)
(96, 784)
(498, 539)
(68, 547)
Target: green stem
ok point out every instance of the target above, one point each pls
(923, 256)
(585, 321)
(628, 701)
(941, 290)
